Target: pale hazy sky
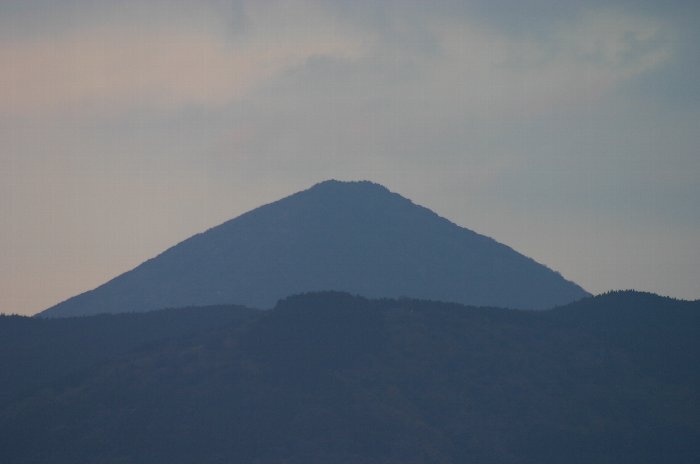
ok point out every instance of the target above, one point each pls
(569, 130)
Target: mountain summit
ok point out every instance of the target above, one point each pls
(351, 236)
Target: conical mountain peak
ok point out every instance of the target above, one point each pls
(356, 237)
(355, 191)
(349, 185)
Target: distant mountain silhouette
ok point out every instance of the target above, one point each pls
(348, 236)
(333, 378)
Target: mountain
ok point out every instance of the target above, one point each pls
(331, 377)
(348, 236)
(36, 351)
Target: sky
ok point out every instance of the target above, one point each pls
(568, 130)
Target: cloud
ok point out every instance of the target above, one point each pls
(580, 61)
(160, 64)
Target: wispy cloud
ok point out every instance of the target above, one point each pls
(580, 61)
(159, 64)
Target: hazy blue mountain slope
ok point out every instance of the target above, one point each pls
(348, 236)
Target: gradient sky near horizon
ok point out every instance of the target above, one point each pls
(569, 130)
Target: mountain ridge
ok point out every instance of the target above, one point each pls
(332, 377)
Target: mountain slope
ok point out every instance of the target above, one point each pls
(334, 378)
(35, 351)
(347, 236)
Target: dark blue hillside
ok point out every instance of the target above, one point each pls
(333, 378)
